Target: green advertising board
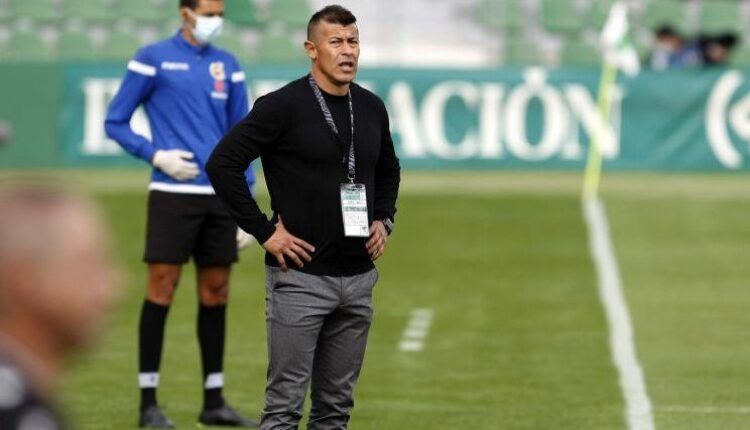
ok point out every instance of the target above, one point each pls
(29, 112)
(530, 118)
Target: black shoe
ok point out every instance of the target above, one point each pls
(153, 418)
(226, 416)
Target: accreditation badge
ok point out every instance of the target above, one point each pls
(354, 210)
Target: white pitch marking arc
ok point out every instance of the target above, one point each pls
(416, 331)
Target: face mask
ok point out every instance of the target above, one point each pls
(207, 28)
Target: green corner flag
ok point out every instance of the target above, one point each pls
(618, 53)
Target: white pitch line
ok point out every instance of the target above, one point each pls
(416, 331)
(705, 410)
(639, 412)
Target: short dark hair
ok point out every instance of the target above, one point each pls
(727, 40)
(666, 30)
(332, 14)
(191, 4)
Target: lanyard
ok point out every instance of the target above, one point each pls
(349, 161)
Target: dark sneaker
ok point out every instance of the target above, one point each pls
(226, 416)
(153, 418)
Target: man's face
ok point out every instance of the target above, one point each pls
(669, 43)
(335, 51)
(717, 53)
(207, 8)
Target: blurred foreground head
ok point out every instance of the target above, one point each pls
(57, 278)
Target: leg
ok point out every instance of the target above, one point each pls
(214, 252)
(172, 225)
(162, 282)
(213, 285)
(296, 307)
(340, 353)
(213, 290)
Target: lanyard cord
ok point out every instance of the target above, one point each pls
(350, 160)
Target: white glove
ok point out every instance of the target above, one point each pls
(174, 163)
(244, 239)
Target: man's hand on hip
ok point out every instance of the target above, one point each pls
(378, 240)
(174, 162)
(282, 243)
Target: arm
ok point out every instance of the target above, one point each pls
(387, 179)
(232, 156)
(238, 107)
(257, 133)
(135, 89)
(387, 175)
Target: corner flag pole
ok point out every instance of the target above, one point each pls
(593, 173)
(619, 54)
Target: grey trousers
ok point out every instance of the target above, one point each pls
(317, 333)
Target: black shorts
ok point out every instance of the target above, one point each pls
(183, 225)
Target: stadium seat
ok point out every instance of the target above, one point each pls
(169, 28)
(294, 13)
(499, 14)
(720, 16)
(28, 46)
(659, 12)
(75, 46)
(38, 10)
(581, 55)
(741, 58)
(6, 11)
(562, 16)
(90, 10)
(146, 11)
(521, 52)
(120, 46)
(232, 42)
(278, 49)
(242, 12)
(599, 13)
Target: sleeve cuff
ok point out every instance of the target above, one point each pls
(264, 233)
(147, 153)
(381, 214)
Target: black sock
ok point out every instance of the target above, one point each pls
(150, 341)
(211, 330)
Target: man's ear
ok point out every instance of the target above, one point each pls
(187, 16)
(311, 50)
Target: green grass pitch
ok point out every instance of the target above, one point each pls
(519, 339)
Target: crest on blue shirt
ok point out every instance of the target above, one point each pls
(219, 74)
(217, 71)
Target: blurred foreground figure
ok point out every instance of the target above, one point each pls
(56, 286)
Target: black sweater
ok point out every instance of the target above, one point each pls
(303, 166)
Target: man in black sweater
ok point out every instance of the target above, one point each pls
(333, 177)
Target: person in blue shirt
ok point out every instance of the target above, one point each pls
(193, 94)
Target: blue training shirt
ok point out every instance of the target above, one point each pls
(193, 96)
